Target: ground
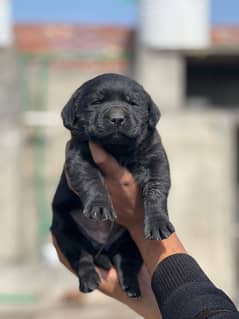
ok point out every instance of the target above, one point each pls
(40, 291)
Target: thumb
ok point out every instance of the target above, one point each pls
(108, 164)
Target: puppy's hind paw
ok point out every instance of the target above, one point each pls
(159, 229)
(99, 213)
(132, 291)
(89, 281)
(103, 261)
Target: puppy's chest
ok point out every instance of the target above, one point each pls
(101, 232)
(137, 163)
(137, 166)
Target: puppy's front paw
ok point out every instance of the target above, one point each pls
(99, 212)
(89, 281)
(158, 228)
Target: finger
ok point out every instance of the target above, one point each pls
(109, 283)
(105, 275)
(109, 166)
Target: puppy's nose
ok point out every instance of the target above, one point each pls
(117, 118)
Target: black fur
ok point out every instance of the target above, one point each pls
(115, 112)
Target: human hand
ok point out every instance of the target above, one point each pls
(146, 306)
(125, 194)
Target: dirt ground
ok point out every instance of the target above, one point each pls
(42, 292)
(108, 310)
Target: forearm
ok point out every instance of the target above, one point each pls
(154, 251)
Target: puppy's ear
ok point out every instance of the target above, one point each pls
(154, 114)
(68, 113)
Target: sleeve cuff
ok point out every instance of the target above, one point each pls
(183, 290)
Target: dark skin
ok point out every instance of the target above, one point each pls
(128, 203)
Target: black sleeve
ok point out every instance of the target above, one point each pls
(183, 291)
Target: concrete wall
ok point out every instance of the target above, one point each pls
(201, 150)
(11, 138)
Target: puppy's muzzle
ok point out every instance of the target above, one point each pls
(117, 117)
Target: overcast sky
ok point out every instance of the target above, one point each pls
(121, 12)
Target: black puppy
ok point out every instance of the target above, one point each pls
(116, 113)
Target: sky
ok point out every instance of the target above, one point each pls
(119, 12)
(225, 12)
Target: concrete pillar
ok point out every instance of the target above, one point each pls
(162, 74)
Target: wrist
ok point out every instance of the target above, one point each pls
(155, 251)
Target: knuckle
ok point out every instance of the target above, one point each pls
(127, 179)
(101, 160)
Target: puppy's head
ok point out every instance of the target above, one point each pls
(110, 108)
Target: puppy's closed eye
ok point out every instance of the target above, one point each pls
(130, 100)
(97, 101)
